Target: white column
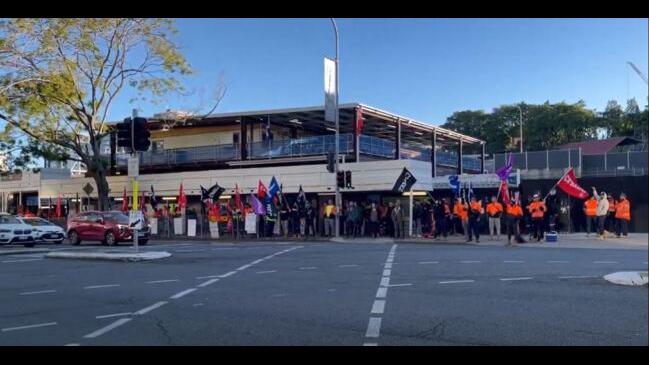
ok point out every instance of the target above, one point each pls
(410, 215)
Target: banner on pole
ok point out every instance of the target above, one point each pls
(405, 181)
(251, 223)
(569, 185)
(330, 89)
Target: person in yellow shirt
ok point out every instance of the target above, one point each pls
(329, 219)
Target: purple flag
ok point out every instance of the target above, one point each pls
(257, 207)
(503, 172)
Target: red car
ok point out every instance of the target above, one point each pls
(108, 227)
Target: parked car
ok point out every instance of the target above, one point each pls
(14, 231)
(109, 228)
(44, 231)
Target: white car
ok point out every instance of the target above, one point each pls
(14, 231)
(44, 231)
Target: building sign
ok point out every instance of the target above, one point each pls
(478, 181)
(405, 181)
(330, 89)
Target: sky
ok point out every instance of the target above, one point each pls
(425, 69)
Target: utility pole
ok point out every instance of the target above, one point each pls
(135, 184)
(337, 118)
(520, 125)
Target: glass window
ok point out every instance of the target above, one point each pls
(7, 219)
(118, 217)
(37, 222)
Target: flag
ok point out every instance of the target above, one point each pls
(568, 183)
(204, 195)
(261, 191)
(124, 201)
(182, 199)
(212, 194)
(273, 189)
(237, 199)
(153, 199)
(301, 198)
(454, 183)
(503, 172)
(257, 206)
(504, 192)
(359, 120)
(58, 207)
(470, 190)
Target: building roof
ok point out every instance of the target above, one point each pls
(599, 146)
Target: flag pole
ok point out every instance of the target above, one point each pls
(557, 183)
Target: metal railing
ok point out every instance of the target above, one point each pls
(377, 147)
(306, 146)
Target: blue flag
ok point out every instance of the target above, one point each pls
(454, 182)
(273, 189)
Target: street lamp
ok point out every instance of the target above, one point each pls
(520, 124)
(337, 148)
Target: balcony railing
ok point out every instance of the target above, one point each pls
(306, 146)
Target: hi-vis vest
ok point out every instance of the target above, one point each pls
(514, 210)
(460, 210)
(537, 209)
(623, 210)
(591, 207)
(494, 210)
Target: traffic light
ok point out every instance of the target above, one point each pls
(348, 179)
(141, 134)
(340, 179)
(124, 134)
(330, 161)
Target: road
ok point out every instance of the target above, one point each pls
(288, 293)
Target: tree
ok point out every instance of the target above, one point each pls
(60, 77)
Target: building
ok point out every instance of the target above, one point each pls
(291, 144)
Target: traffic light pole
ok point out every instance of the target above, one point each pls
(337, 151)
(135, 230)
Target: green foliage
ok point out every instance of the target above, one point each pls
(548, 125)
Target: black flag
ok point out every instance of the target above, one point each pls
(154, 199)
(405, 181)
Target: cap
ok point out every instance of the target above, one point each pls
(535, 196)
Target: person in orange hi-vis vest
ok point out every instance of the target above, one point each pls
(513, 216)
(494, 212)
(622, 216)
(590, 210)
(610, 217)
(537, 210)
(461, 212)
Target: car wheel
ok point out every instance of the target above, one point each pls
(109, 238)
(73, 236)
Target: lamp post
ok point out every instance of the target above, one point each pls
(520, 125)
(337, 148)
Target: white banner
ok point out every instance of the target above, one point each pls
(214, 229)
(251, 223)
(179, 226)
(330, 89)
(191, 227)
(153, 222)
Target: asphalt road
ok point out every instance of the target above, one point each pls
(326, 294)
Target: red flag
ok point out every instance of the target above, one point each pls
(504, 192)
(58, 207)
(569, 185)
(237, 199)
(124, 202)
(182, 199)
(261, 191)
(359, 120)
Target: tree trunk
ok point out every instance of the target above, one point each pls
(102, 189)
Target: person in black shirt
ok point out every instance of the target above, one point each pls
(310, 218)
(295, 220)
(283, 218)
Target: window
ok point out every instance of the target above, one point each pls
(157, 145)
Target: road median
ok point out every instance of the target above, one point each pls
(110, 256)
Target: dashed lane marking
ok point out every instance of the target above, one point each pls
(373, 327)
(208, 277)
(72, 344)
(114, 315)
(382, 292)
(385, 281)
(209, 282)
(100, 286)
(577, 277)
(308, 268)
(108, 328)
(243, 267)
(38, 292)
(378, 307)
(182, 293)
(456, 281)
(516, 279)
(162, 281)
(23, 260)
(469, 262)
(370, 344)
(349, 265)
(558, 262)
(605, 262)
(387, 272)
(29, 326)
(227, 274)
(428, 262)
(266, 272)
(513, 262)
(393, 285)
(150, 308)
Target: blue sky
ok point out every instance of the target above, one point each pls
(421, 68)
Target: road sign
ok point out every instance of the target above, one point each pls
(136, 219)
(133, 166)
(88, 189)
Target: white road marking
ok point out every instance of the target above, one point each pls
(387, 272)
(23, 260)
(577, 277)
(29, 326)
(162, 281)
(370, 344)
(114, 315)
(558, 262)
(243, 267)
(391, 285)
(189, 250)
(266, 272)
(389, 260)
(110, 327)
(513, 262)
(385, 281)
(605, 262)
(100, 286)
(208, 277)
(150, 308)
(223, 248)
(209, 282)
(308, 268)
(257, 261)
(182, 293)
(72, 344)
(227, 274)
(350, 265)
(378, 307)
(197, 304)
(428, 262)
(382, 292)
(469, 262)
(373, 327)
(456, 281)
(515, 279)
(388, 265)
(38, 292)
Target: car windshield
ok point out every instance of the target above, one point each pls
(118, 217)
(5, 219)
(38, 222)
